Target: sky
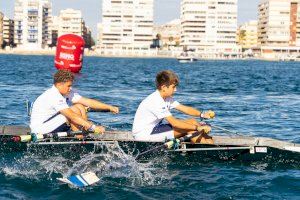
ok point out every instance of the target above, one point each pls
(164, 10)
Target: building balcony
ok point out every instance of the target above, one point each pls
(33, 13)
(31, 40)
(32, 31)
(33, 10)
(32, 19)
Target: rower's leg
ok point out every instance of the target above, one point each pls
(202, 138)
(83, 111)
(80, 110)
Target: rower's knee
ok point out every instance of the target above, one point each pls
(81, 110)
(78, 108)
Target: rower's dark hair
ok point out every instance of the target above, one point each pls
(62, 76)
(167, 78)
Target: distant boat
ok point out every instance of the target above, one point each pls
(289, 58)
(186, 57)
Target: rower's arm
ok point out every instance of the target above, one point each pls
(179, 124)
(194, 112)
(75, 118)
(188, 110)
(97, 105)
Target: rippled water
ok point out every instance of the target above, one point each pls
(250, 97)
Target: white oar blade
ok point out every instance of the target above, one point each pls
(82, 180)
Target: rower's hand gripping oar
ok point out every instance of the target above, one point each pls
(174, 143)
(207, 115)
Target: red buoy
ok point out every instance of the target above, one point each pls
(69, 52)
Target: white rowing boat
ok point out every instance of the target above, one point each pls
(221, 143)
(233, 147)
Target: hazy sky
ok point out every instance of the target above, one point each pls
(164, 10)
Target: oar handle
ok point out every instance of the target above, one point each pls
(36, 137)
(94, 110)
(190, 136)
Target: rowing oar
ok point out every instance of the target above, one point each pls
(174, 143)
(36, 137)
(81, 180)
(224, 129)
(90, 178)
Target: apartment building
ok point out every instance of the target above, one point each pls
(8, 31)
(279, 27)
(247, 35)
(169, 33)
(70, 21)
(1, 28)
(209, 27)
(32, 21)
(277, 22)
(126, 24)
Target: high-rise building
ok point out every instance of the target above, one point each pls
(127, 24)
(70, 21)
(209, 27)
(278, 23)
(1, 28)
(247, 34)
(8, 31)
(32, 21)
(279, 27)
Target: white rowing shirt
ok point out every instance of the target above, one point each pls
(150, 113)
(48, 105)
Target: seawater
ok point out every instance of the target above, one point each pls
(250, 97)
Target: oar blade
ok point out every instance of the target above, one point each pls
(82, 180)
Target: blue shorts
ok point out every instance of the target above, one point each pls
(160, 133)
(161, 128)
(61, 128)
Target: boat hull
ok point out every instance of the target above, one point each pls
(186, 60)
(225, 147)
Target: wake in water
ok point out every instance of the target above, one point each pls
(108, 161)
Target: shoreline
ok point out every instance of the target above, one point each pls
(86, 53)
(95, 54)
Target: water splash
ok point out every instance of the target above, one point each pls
(107, 160)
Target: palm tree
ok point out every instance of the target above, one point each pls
(242, 35)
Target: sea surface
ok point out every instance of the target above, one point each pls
(253, 98)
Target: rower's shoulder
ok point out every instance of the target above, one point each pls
(48, 95)
(151, 98)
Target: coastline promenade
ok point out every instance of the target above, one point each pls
(95, 53)
(51, 52)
